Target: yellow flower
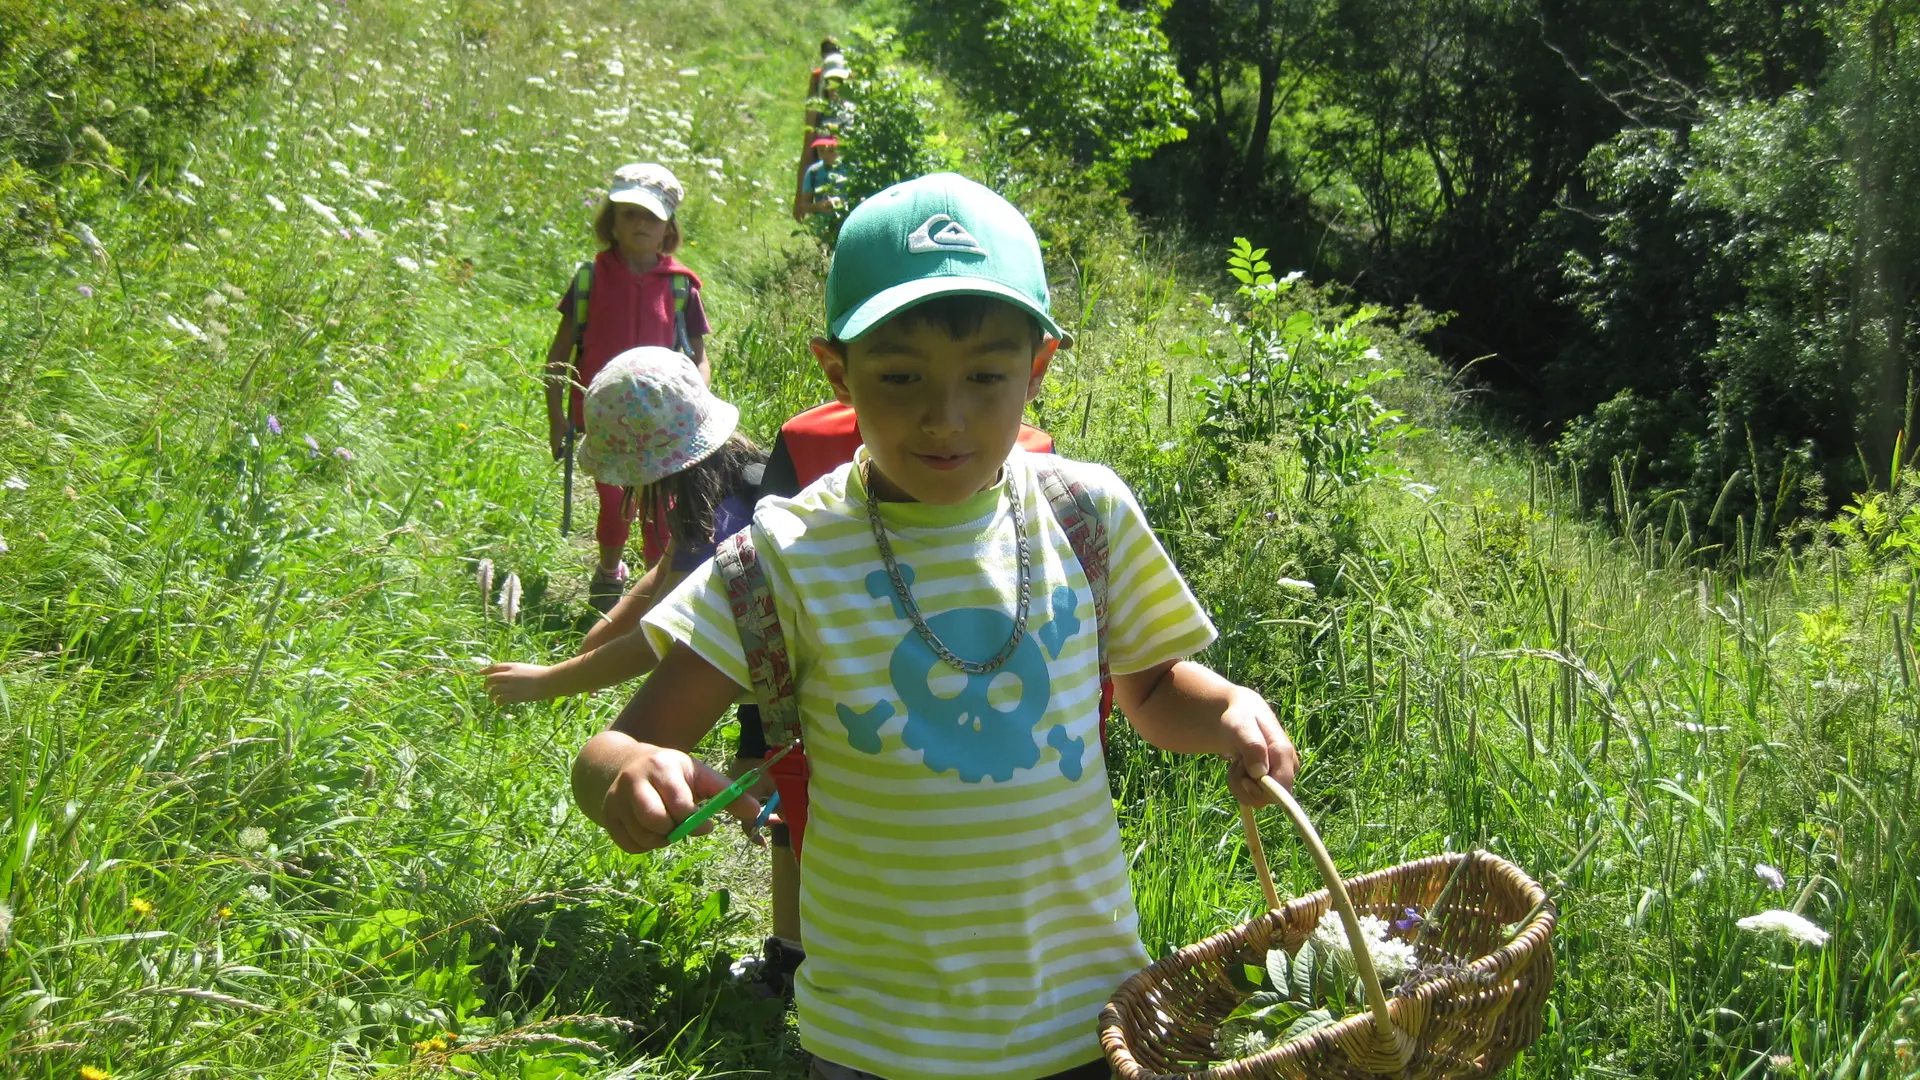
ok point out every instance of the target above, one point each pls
(93, 1072)
(225, 912)
(428, 1046)
(141, 906)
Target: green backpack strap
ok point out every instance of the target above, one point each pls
(1073, 508)
(582, 289)
(758, 621)
(682, 288)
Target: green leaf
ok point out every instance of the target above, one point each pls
(1309, 1022)
(1279, 968)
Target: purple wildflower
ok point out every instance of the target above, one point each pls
(343, 453)
(1408, 921)
(313, 446)
(273, 424)
(86, 291)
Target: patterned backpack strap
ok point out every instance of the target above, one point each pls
(682, 288)
(758, 621)
(1073, 508)
(582, 289)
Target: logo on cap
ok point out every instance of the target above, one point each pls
(941, 233)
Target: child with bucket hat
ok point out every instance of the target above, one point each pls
(633, 293)
(921, 619)
(674, 457)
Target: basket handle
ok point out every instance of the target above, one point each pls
(1388, 1040)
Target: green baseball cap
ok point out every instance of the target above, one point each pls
(938, 235)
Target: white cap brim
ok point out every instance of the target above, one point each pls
(642, 197)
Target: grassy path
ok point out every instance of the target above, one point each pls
(261, 821)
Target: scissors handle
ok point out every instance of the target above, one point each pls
(720, 802)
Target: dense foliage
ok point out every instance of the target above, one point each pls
(100, 93)
(1679, 235)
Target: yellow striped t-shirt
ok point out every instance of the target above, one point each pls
(964, 902)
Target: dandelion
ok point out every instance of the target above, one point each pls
(483, 576)
(510, 598)
(1773, 878)
(94, 1072)
(433, 1045)
(141, 906)
(273, 424)
(85, 291)
(406, 264)
(1785, 924)
(278, 206)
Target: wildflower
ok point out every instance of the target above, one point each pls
(406, 264)
(1293, 277)
(141, 905)
(689, 71)
(483, 576)
(1393, 959)
(1408, 922)
(339, 387)
(85, 291)
(253, 838)
(1297, 584)
(616, 69)
(278, 206)
(535, 80)
(6, 912)
(510, 598)
(14, 483)
(273, 424)
(1773, 878)
(224, 913)
(259, 893)
(192, 179)
(1424, 491)
(343, 453)
(1781, 1063)
(94, 1072)
(321, 208)
(1786, 924)
(3, 551)
(1373, 354)
(92, 243)
(313, 446)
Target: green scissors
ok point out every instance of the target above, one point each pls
(719, 802)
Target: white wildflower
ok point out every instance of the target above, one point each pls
(515, 109)
(259, 893)
(278, 206)
(1424, 491)
(1785, 924)
(14, 483)
(1298, 584)
(1293, 277)
(360, 131)
(406, 264)
(92, 243)
(340, 169)
(535, 80)
(483, 576)
(689, 72)
(253, 838)
(6, 912)
(188, 176)
(510, 598)
(1393, 960)
(3, 545)
(1770, 876)
(718, 199)
(320, 208)
(1373, 354)
(616, 69)
(186, 327)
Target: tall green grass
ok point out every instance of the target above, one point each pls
(260, 820)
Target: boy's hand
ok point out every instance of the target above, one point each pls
(656, 789)
(509, 683)
(1257, 746)
(557, 436)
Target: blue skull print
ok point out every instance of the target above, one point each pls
(978, 726)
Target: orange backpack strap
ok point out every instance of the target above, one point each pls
(1073, 508)
(758, 621)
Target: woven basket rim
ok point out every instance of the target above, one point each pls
(1481, 972)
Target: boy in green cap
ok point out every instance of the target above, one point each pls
(965, 905)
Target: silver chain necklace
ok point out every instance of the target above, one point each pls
(905, 594)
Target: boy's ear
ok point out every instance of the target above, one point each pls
(1042, 359)
(833, 364)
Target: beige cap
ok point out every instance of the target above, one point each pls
(648, 185)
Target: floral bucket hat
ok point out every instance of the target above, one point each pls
(649, 415)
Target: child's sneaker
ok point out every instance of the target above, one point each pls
(771, 973)
(604, 590)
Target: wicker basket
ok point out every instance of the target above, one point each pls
(1470, 1021)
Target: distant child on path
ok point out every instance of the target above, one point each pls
(637, 295)
(821, 187)
(672, 452)
(965, 905)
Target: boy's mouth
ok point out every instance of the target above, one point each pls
(944, 462)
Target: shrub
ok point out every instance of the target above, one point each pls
(889, 132)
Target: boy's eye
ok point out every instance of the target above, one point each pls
(897, 378)
(988, 377)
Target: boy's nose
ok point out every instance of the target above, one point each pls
(942, 418)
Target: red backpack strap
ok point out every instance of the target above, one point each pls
(758, 621)
(1073, 508)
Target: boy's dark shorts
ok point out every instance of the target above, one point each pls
(1097, 1069)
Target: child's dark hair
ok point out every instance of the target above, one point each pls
(828, 47)
(603, 228)
(960, 316)
(688, 498)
